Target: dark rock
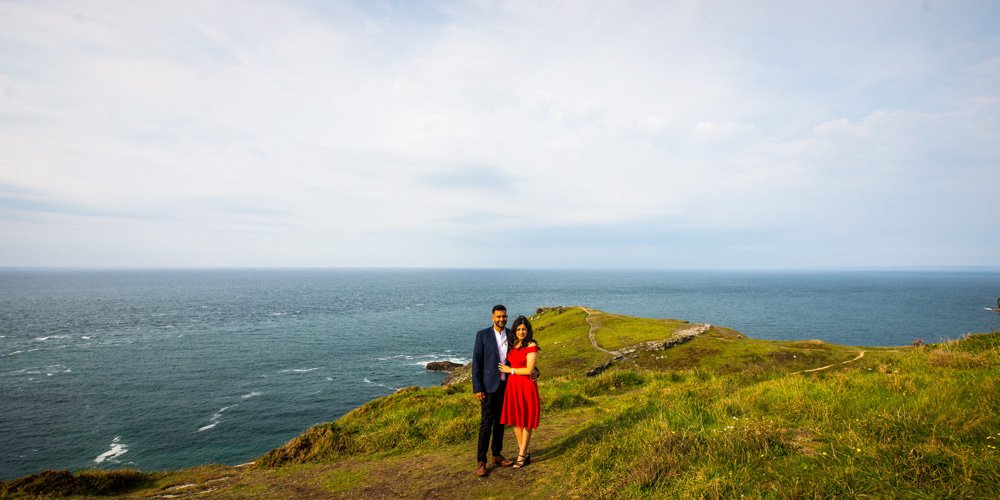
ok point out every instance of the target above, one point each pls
(442, 366)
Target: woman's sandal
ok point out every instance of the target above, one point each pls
(527, 459)
(519, 462)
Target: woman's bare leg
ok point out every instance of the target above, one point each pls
(518, 433)
(526, 436)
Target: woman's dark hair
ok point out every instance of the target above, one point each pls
(518, 343)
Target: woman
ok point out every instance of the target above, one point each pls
(521, 405)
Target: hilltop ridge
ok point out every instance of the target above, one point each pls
(640, 407)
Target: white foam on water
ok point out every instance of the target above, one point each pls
(117, 449)
(251, 395)
(215, 419)
(13, 353)
(453, 359)
(54, 369)
(84, 337)
(217, 415)
(298, 370)
(377, 384)
(43, 339)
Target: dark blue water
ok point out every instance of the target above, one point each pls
(165, 369)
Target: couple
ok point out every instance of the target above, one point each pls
(503, 380)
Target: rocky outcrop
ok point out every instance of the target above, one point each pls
(458, 375)
(676, 339)
(442, 366)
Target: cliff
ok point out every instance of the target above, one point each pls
(675, 410)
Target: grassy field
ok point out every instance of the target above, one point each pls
(721, 416)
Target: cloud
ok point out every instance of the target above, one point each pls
(348, 131)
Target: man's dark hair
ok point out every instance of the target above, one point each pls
(498, 307)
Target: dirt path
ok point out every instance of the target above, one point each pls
(593, 331)
(827, 367)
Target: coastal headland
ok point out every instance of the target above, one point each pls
(648, 408)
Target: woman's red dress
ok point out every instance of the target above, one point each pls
(521, 405)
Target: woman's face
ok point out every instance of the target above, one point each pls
(521, 332)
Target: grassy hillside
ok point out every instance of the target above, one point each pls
(721, 415)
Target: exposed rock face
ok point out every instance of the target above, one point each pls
(442, 366)
(458, 375)
(557, 309)
(677, 338)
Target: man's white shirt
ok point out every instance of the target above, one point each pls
(501, 337)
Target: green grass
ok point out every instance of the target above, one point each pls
(722, 416)
(565, 345)
(615, 331)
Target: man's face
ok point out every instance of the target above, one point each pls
(499, 320)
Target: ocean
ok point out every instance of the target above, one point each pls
(159, 369)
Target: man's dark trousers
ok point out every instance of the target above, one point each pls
(490, 428)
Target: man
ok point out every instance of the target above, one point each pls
(489, 385)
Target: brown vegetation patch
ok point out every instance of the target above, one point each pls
(804, 442)
(64, 483)
(958, 359)
(319, 442)
(810, 344)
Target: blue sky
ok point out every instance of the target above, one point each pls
(500, 134)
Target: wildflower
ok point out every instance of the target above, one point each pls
(824, 453)
(858, 450)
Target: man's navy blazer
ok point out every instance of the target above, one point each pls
(485, 358)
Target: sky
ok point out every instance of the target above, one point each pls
(500, 134)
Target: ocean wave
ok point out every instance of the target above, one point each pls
(298, 370)
(50, 337)
(215, 419)
(424, 359)
(251, 395)
(13, 353)
(377, 384)
(117, 449)
(460, 361)
(217, 415)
